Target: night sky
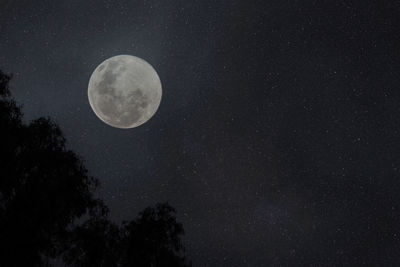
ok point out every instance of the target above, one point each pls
(277, 137)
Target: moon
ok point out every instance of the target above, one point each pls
(124, 91)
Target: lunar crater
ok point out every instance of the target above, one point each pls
(124, 91)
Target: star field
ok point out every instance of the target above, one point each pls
(277, 137)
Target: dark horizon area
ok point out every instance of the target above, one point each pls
(277, 137)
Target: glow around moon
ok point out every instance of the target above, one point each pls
(124, 91)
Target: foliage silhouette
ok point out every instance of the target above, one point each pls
(45, 189)
(153, 239)
(94, 243)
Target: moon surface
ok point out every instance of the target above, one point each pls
(124, 91)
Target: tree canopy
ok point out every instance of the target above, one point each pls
(44, 190)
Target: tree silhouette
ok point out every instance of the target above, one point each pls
(45, 188)
(153, 239)
(94, 243)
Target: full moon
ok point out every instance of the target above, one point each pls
(124, 91)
